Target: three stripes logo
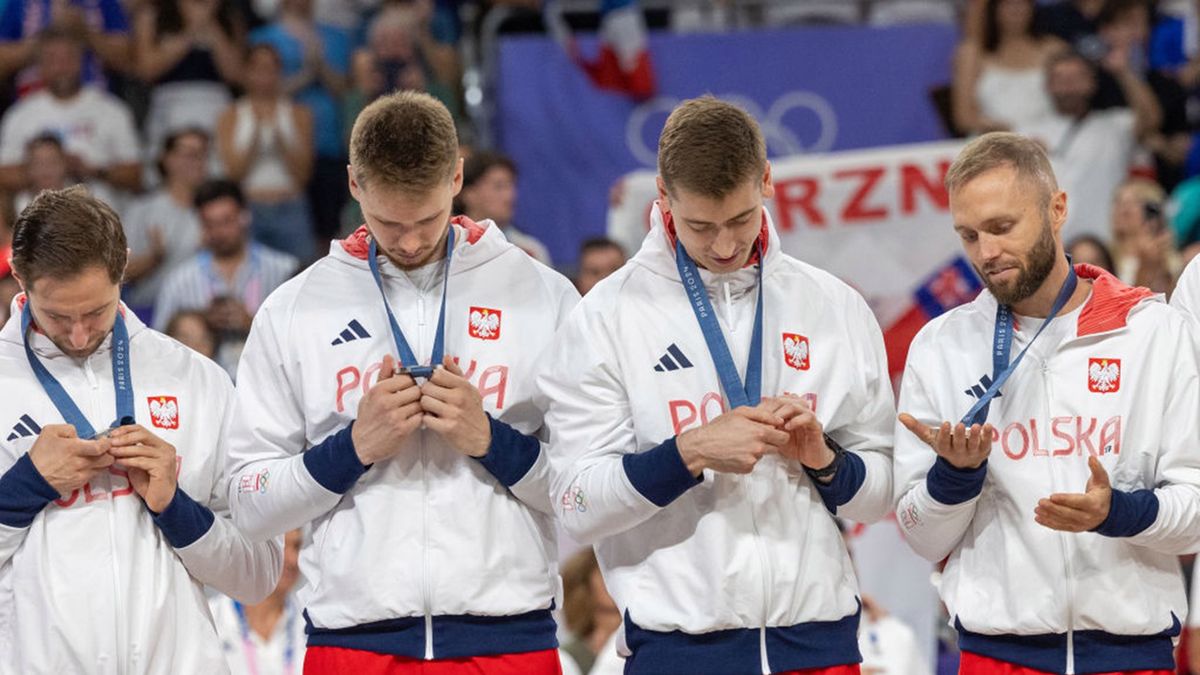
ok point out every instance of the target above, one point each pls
(977, 391)
(24, 428)
(353, 331)
(672, 360)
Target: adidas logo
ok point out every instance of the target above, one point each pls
(352, 332)
(672, 360)
(25, 427)
(978, 390)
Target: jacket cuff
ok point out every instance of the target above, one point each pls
(1129, 513)
(850, 475)
(333, 462)
(659, 473)
(950, 485)
(511, 453)
(23, 493)
(184, 520)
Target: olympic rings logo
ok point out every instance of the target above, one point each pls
(781, 140)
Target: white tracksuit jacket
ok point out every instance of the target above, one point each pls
(758, 556)
(92, 582)
(1186, 296)
(444, 556)
(1121, 384)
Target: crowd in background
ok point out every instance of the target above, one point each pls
(218, 130)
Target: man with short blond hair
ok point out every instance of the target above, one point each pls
(386, 396)
(714, 404)
(1046, 444)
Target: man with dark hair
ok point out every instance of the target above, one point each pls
(113, 489)
(434, 541)
(95, 127)
(713, 405)
(229, 277)
(598, 258)
(162, 227)
(489, 192)
(1064, 494)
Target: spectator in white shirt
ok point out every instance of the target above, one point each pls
(95, 128)
(1090, 149)
(46, 168)
(162, 227)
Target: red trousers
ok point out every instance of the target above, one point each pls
(339, 661)
(974, 664)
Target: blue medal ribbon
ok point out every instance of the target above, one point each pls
(738, 394)
(407, 360)
(122, 382)
(1002, 347)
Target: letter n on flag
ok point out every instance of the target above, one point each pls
(622, 63)
(948, 287)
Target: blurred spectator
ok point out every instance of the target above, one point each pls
(46, 168)
(267, 638)
(95, 127)
(162, 227)
(598, 258)
(316, 61)
(402, 40)
(191, 51)
(100, 25)
(344, 15)
(229, 278)
(590, 613)
(1000, 68)
(1089, 250)
(888, 645)
(1073, 21)
(1143, 244)
(266, 144)
(1091, 150)
(192, 329)
(489, 191)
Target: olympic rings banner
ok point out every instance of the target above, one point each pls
(813, 89)
(878, 219)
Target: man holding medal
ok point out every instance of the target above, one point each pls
(386, 396)
(712, 405)
(113, 468)
(1064, 494)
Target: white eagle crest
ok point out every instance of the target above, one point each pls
(1104, 377)
(164, 411)
(485, 324)
(796, 350)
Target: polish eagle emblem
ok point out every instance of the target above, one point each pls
(164, 412)
(795, 351)
(484, 323)
(1104, 375)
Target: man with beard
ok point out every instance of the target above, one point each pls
(1062, 543)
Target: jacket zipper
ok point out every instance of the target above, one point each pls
(1065, 544)
(426, 585)
(118, 659)
(763, 559)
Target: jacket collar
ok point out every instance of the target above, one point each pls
(43, 346)
(475, 243)
(1108, 307)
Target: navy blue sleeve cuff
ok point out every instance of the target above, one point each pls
(851, 473)
(333, 462)
(184, 520)
(1129, 513)
(23, 493)
(659, 473)
(511, 453)
(950, 485)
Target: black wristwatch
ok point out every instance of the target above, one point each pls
(839, 454)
